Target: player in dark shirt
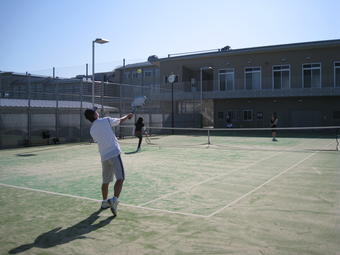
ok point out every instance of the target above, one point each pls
(273, 124)
(139, 131)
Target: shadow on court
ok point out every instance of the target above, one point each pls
(132, 152)
(57, 236)
(26, 155)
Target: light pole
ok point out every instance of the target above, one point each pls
(100, 41)
(201, 94)
(172, 80)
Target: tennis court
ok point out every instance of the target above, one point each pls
(236, 195)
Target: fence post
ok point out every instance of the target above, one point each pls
(101, 98)
(120, 105)
(1, 92)
(81, 111)
(57, 109)
(1, 95)
(29, 115)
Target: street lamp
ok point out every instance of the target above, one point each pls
(100, 41)
(201, 95)
(172, 80)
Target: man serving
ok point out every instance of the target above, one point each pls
(109, 149)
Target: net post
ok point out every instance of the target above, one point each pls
(209, 137)
(337, 139)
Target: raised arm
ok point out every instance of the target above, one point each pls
(126, 117)
(275, 122)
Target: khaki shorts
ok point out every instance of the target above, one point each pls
(113, 166)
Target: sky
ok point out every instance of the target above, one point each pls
(37, 35)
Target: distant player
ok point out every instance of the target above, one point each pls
(109, 149)
(228, 120)
(139, 131)
(273, 124)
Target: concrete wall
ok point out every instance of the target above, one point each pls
(292, 112)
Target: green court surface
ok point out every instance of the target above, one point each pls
(238, 195)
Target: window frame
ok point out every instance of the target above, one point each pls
(220, 115)
(303, 77)
(149, 72)
(334, 113)
(259, 114)
(233, 115)
(135, 75)
(245, 75)
(230, 70)
(289, 86)
(251, 115)
(127, 75)
(186, 106)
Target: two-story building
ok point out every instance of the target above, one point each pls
(300, 81)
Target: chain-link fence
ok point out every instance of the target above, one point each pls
(43, 110)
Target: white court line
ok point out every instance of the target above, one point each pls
(96, 200)
(155, 209)
(274, 177)
(258, 187)
(215, 177)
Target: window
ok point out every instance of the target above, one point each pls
(188, 107)
(127, 75)
(75, 88)
(336, 115)
(311, 76)
(220, 115)
(237, 115)
(147, 74)
(253, 78)
(134, 75)
(259, 115)
(194, 85)
(281, 77)
(337, 74)
(229, 116)
(226, 79)
(247, 115)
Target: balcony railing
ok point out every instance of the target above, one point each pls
(215, 90)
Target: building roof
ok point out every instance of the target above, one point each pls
(221, 52)
(136, 65)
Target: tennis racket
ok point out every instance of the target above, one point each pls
(137, 103)
(147, 137)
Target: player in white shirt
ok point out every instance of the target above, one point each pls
(109, 149)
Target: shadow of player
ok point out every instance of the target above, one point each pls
(132, 152)
(60, 236)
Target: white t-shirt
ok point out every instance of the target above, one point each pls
(102, 133)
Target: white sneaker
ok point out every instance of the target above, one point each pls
(105, 205)
(113, 204)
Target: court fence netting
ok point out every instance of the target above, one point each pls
(287, 139)
(40, 110)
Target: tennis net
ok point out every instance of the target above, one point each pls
(289, 138)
